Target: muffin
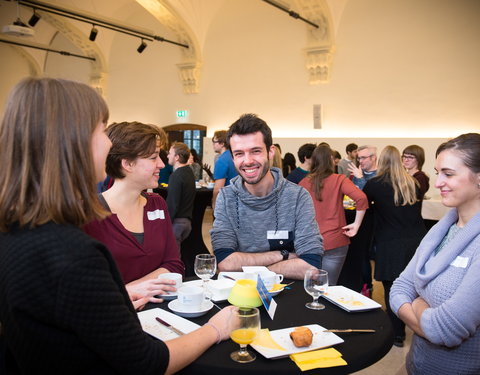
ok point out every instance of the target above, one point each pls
(301, 337)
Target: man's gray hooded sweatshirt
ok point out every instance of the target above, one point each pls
(283, 219)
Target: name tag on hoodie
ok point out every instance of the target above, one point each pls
(154, 215)
(277, 235)
(460, 262)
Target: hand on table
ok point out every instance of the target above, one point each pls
(151, 288)
(138, 301)
(225, 321)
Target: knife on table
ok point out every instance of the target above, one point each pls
(349, 330)
(169, 326)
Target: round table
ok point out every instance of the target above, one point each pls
(359, 350)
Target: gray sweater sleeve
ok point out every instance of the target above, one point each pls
(223, 235)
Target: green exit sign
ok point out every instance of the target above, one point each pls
(182, 113)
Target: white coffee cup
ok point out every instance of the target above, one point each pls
(190, 297)
(177, 277)
(271, 278)
(210, 185)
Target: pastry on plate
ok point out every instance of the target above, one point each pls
(301, 337)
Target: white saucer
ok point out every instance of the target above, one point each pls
(169, 296)
(276, 293)
(178, 309)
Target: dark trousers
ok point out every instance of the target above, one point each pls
(398, 324)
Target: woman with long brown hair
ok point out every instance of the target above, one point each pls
(64, 308)
(398, 225)
(327, 190)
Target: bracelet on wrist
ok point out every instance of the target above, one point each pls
(219, 336)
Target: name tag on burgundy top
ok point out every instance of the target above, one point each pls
(155, 215)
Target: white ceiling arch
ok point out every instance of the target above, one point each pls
(99, 70)
(170, 17)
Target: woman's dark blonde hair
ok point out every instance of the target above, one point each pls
(391, 170)
(47, 171)
(131, 140)
(322, 167)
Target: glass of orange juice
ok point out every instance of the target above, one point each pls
(247, 331)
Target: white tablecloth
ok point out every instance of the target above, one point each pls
(433, 209)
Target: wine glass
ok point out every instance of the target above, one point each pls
(315, 283)
(205, 266)
(249, 327)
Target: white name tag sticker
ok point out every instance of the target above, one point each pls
(277, 235)
(461, 262)
(154, 215)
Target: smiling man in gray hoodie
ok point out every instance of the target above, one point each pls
(262, 219)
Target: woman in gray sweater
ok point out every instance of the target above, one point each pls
(437, 294)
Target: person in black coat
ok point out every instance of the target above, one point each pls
(395, 199)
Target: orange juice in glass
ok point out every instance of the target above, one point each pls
(249, 327)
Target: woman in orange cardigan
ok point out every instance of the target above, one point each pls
(327, 190)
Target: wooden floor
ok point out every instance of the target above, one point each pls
(392, 363)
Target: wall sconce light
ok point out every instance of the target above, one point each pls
(33, 19)
(93, 33)
(142, 46)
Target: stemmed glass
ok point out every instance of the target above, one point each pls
(205, 267)
(315, 284)
(249, 327)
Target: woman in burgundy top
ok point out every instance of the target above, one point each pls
(413, 158)
(327, 190)
(138, 232)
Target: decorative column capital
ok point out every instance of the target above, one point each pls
(190, 76)
(98, 81)
(319, 61)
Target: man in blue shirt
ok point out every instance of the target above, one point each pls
(224, 169)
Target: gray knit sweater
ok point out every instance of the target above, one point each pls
(283, 219)
(448, 282)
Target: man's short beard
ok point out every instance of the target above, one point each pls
(265, 170)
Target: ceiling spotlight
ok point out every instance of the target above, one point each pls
(34, 19)
(142, 46)
(93, 33)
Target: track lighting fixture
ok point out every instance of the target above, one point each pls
(93, 33)
(142, 46)
(34, 19)
(92, 20)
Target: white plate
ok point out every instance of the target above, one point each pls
(277, 292)
(255, 269)
(233, 275)
(282, 337)
(178, 309)
(155, 329)
(349, 300)
(169, 296)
